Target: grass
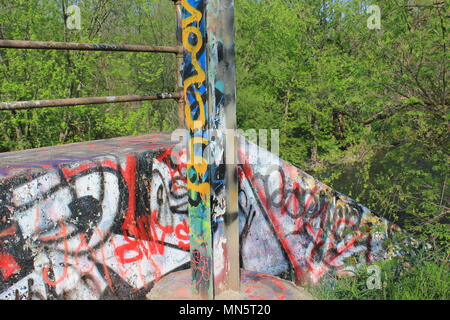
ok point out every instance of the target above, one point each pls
(424, 276)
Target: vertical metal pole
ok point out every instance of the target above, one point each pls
(198, 171)
(224, 178)
(180, 102)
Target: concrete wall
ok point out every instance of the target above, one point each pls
(293, 224)
(104, 219)
(91, 220)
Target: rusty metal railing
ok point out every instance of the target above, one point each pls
(49, 45)
(35, 104)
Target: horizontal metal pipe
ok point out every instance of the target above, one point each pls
(17, 105)
(21, 44)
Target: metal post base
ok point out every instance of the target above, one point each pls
(254, 286)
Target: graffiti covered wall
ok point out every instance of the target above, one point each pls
(98, 220)
(293, 225)
(105, 219)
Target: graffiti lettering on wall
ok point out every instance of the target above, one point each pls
(105, 228)
(315, 229)
(109, 226)
(196, 114)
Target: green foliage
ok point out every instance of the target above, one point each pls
(37, 75)
(423, 276)
(365, 111)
